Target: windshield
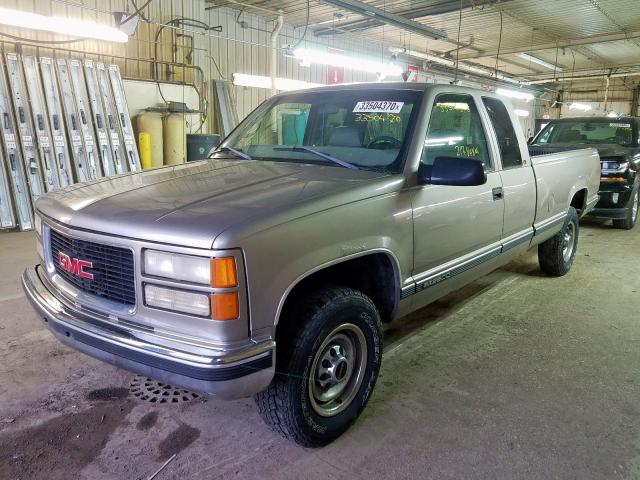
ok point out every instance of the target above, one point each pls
(589, 132)
(365, 129)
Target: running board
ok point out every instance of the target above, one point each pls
(36, 177)
(41, 124)
(85, 166)
(13, 160)
(125, 121)
(82, 104)
(56, 122)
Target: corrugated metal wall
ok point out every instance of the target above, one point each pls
(219, 54)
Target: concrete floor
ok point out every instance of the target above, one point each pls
(516, 376)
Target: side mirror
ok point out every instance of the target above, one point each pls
(452, 171)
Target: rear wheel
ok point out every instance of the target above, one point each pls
(327, 366)
(556, 254)
(630, 220)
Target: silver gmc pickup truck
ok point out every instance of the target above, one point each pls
(269, 269)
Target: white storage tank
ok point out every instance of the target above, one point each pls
(175, 138)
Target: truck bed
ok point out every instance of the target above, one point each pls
(552, 169)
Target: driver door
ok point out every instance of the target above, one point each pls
(456, 227)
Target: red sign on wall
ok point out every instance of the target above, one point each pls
(413, 73)
(335, 75)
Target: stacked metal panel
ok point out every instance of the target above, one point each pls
(61, 121)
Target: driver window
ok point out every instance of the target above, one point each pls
(455, 130)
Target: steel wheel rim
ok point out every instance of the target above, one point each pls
(634, 207)
(568, 241)
(337, 370)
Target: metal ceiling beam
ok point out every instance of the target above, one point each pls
(611, 37)
(441, 8)
(383, 17)
(571, 78)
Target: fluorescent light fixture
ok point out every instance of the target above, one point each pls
(258, 81)
(520, 95)
(579, 106)
(126, 23)
(61, 25)
(539, 61)
(423, 55)
(521, 113)
(612, 115)
(309, 57)
(472, 68)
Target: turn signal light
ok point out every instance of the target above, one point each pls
(223, 272)
(225, 306)
(612, 179)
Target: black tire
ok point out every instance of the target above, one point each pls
(288, 405)
(629, 221)
(554, 259)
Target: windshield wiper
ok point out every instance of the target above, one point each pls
(335, 160)
(237, 153)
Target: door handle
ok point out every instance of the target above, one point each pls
(498, 193)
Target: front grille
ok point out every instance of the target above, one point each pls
(111, 268)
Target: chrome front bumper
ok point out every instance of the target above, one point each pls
(230, 373)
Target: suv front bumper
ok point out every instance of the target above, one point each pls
(614, 203)
(232, 372)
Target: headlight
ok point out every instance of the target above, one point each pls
(194, 303)
(613, 166)
(216, 272)
(175, 266)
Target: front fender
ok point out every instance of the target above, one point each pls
(280, 257)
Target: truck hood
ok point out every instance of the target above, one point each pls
(192, 204)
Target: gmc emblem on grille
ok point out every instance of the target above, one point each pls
(75, 265)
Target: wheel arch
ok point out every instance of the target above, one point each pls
(579, 198)
(386, 298)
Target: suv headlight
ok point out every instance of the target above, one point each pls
(612, 166)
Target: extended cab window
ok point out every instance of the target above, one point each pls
(507, 140)
(455, 130)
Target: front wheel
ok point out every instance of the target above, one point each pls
(556, 254)
(630, 220)
(327, 366)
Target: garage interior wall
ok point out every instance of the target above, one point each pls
(198, 57)
(218, 54)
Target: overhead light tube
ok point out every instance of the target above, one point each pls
(520, 95)
(447, 62)
(579, 106)
(259, 81)
(521, 113)
(61, 25)
(308, 57)
(539, 61)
